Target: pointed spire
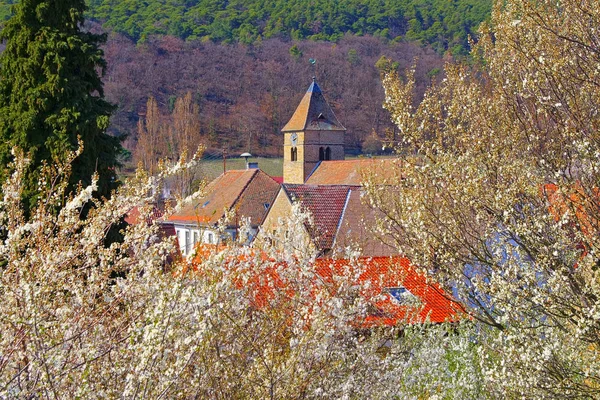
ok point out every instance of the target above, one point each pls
(313, 113)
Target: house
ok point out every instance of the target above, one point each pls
(318, 178)
(395, 291)
(156, 214)
(241, 194)
(326, 205)
(339, 220)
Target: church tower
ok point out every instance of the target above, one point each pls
(312, 135)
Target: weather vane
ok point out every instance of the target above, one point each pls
(313, 62)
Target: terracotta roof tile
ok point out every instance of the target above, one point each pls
(375, 277)
(133, 216)
(244, 190)
(350, 172)
(379, 274)
(256, 199)
(326, 205)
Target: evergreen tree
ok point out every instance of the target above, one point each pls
(51, 94)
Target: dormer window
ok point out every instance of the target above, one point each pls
(403, 296)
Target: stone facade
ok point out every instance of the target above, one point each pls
(273, 228)
(313, 134)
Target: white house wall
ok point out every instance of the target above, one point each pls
(188, 236)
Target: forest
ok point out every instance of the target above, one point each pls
(246, 94)
(247, 63)
(444, 25)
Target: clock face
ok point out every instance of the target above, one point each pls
(294, 138)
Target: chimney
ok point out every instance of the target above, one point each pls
(247, 156)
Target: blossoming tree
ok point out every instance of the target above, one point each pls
(498, 193)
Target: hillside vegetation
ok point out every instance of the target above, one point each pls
(443, 24)
(246, 94)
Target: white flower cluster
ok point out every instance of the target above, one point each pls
(82, 319)
(500, 198)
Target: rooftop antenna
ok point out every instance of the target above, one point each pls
(313, 62)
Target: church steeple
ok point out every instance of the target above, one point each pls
(313, 113)
(312, 135)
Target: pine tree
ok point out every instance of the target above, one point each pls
(51, 94)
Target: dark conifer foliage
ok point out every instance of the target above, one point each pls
(51, 93)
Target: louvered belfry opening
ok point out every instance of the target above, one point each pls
(315, 133)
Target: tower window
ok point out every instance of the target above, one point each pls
(294, 154)
(328, 153)
(321, 154)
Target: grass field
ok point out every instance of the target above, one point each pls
(210, 169)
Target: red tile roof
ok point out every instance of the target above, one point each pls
(133, 216)
(246, 191)
(378, 274)
(255, 200)
(582, 203)
(326, 205)
(165, 229)
(375, 276)
(350, 172)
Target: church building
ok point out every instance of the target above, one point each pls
(316, 175)
(313, 134)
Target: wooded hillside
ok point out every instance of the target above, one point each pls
(443, 24)
(246, 62)
(247, 93)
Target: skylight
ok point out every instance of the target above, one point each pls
(403, 296)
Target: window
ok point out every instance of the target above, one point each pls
(187, 242)
(403, 296)
(210, 237)
(195, 237)
(327, 153)
(321, 154)
(294, 154)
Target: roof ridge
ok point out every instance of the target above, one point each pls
(241, 194)
(339, 225)
(313, 170)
